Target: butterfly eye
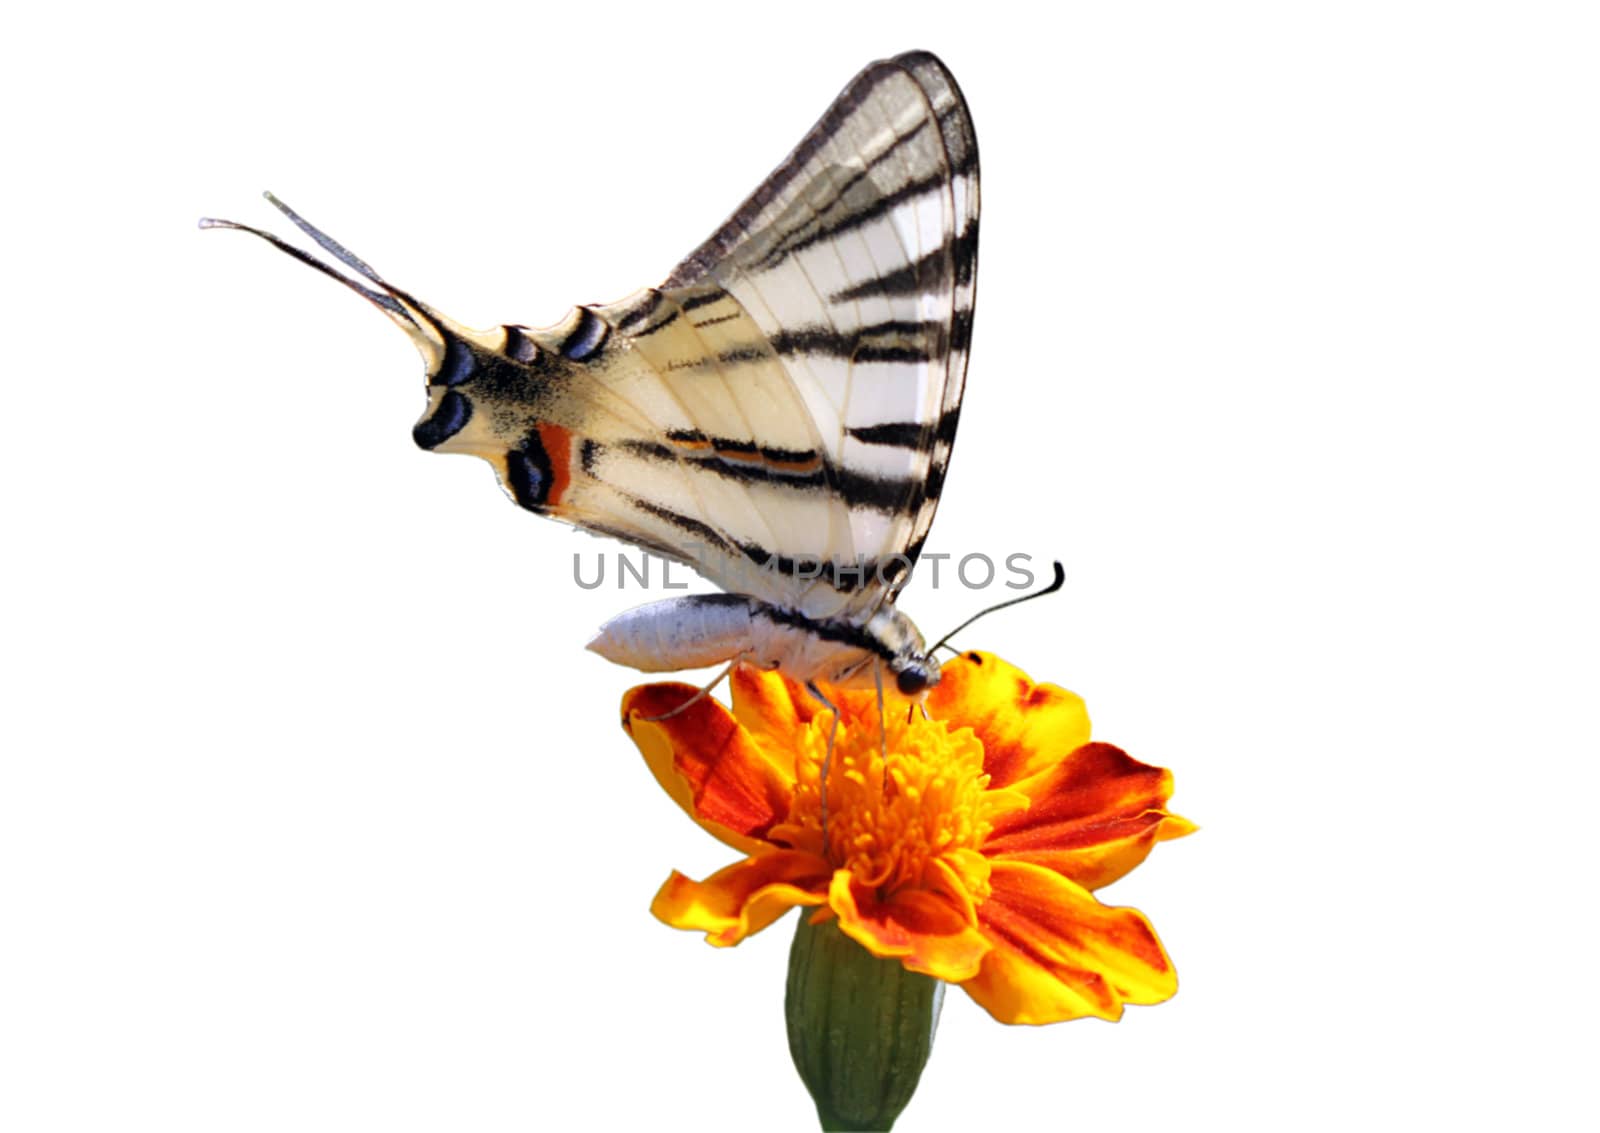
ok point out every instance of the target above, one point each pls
(912, 680)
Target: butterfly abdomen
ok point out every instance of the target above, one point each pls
(704, 630)
(679, 633)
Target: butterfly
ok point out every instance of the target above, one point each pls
(778, 414)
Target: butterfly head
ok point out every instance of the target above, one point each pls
(896, 639)
(916, 676)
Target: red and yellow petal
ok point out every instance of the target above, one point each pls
(924, 930)
(768, 706)
(1094, 816)
(745, 897)
(709, 764)
(1059, 954)
(1024, 727)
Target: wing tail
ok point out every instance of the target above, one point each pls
(428, 331)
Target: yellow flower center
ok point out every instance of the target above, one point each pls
(908, 806)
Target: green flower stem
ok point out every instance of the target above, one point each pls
(860, 1028)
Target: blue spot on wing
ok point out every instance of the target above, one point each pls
(587, 337)
(528, 473)
(444, 422)
(457, 365)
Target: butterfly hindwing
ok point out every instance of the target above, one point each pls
(779, 413)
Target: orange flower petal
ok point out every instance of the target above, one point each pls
(923, 930)
(709, 764)
(956, 875)
(1059, 954)
(1025, 728)
(743, 898)
(768, 705)
(1094, 816)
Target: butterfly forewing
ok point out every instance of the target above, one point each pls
(856, 260)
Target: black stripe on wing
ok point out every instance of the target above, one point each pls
(844, 577)
(907, 434)
(912, 278)
(745, 463)
(694, 438)
(819, 229)
(896, 340)
(699, 263)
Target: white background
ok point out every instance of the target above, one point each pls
(314, 812)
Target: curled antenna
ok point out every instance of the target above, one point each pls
(383, 299)
(1056, 584)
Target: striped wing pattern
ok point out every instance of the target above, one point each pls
(779, 413)
(857, 260)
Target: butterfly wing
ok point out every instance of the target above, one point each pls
(857, 260)
(779, 413)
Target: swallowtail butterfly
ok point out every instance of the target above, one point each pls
(778, 414)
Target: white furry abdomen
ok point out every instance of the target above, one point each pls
(679, 633)
(714, 629)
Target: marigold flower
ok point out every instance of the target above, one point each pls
(970, 854)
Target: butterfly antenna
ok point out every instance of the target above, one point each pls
(1056, 583)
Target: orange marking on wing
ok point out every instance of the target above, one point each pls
(814, 464)
(558, 447)
(741, 456)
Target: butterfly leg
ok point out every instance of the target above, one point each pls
(913, 709)
(696, 698)
(883, 730)
(827, 758)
